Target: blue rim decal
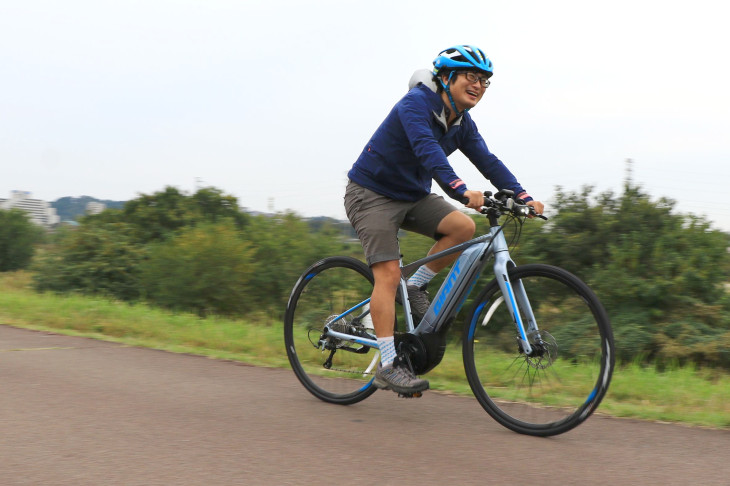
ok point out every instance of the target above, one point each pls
(473, 326)
(367, 385)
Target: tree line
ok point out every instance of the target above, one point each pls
(662, 276)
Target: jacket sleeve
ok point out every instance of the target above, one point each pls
(476, 150)
(416, 119)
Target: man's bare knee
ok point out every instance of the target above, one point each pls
(468, 228)
(457, 226)
(387, 273)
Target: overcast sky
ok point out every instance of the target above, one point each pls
(272, 100)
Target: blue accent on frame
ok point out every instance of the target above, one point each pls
(352, 309)
(516, 312)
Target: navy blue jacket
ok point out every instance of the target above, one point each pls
(410, 147)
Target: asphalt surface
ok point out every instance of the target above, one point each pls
(77, 411)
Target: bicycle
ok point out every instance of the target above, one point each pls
(538, 366)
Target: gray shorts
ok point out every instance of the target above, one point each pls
(378, 218)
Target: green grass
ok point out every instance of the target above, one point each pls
(680, 394)
(685, 394)
(138, 324)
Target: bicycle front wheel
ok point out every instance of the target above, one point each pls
(336, 371)
(562, 381)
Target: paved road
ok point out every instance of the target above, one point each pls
(77, 411)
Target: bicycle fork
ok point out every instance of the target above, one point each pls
(514, 294)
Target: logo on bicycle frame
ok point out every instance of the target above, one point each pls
(448, 286)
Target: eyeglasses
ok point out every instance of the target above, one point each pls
(473, 77)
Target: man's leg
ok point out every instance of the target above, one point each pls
(456, 228)
(382, 302)
(382, 310)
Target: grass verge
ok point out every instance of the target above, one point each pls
(683, 394)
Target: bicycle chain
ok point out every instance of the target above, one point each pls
(347, 327)
(351, 371)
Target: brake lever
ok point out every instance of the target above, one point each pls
(533, 213)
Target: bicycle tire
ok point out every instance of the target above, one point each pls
(325, 290)
(548, 394)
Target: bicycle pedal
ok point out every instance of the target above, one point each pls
(410, 395)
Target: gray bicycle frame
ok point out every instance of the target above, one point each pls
(456, 288)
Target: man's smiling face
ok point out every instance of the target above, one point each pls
(466, 94)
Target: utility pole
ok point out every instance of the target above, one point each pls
(629, 178)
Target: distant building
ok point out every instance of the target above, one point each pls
(40, 212)
(93, 207)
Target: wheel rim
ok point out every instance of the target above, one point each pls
(565, 378)
(319, 300)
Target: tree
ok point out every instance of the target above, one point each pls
(157, 216)
(284, 247)
(660, 275)
(204, 269)
(104, 253)
(18, 237)
(99, 258)
(212, 205)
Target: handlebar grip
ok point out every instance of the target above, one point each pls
(533, 213)
(504, 193)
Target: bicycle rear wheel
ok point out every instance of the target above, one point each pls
(333, 370)
(566, 376)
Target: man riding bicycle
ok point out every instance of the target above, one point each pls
(390, 188)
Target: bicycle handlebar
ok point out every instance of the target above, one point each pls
(505, 202)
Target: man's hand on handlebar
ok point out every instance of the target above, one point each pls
(537, 206)
(475, 199)
(502, 201)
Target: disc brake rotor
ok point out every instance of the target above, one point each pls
(544, 349)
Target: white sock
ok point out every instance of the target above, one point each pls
(387, 350)
(422, 276)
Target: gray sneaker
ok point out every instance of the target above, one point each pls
(399, 379)
(418, 297)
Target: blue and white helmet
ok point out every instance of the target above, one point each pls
(462, 57)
